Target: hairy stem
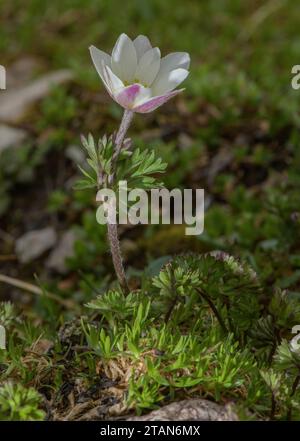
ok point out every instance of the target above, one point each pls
(119, 139)
(112, 228)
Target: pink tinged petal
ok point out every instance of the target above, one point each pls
(144, 95)
(167, 81)
(113, 83)
(155, 102)
(124, 58)
(142, 45)
(148, 67)
(127, 96)
(100, 59)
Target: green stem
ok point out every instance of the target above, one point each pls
(293, 391)
(214, 309)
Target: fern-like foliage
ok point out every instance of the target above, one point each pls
(99, 161)
(286, 358)
(229, 287)
(138, 167)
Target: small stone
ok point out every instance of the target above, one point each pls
(10, 137)
(65, 248)
(219, 163)
(34, 243)
(184, 141)
(21, 71)
(14, 103)
(195, 409)
(75, 154)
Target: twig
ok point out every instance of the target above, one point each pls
(7, 257)
(260, 16)
(36, 290)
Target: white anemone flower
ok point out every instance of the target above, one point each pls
(136, 76)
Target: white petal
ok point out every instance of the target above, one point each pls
(114, 83)
(100, 59)
(167, 81)
(142, 45)
(124, 58)
(144, 94)
(148, 67)
(174, 61)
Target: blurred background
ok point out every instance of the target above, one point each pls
(233, 132)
